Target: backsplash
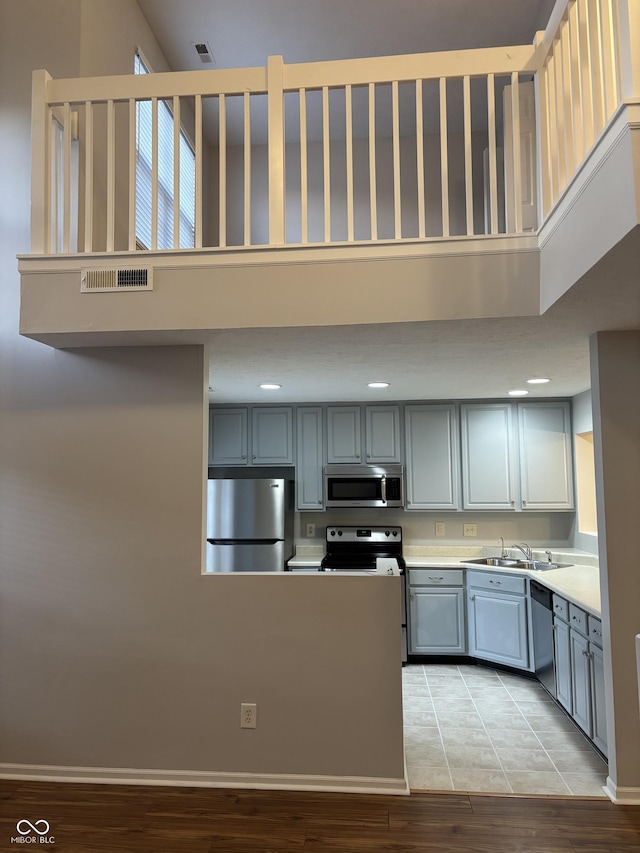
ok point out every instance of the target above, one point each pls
(542, 530)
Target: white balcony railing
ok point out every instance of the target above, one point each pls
(394, 148)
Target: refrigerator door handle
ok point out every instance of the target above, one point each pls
(243, 541)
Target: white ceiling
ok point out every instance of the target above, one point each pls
(437, 360)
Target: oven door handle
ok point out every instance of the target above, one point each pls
(384, 489)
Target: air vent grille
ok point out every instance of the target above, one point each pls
(101, 281)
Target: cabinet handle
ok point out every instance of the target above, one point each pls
(412, 597)
(253, 457)
(435, 579)
(597, 633)
(497, 583)
(524, 503)
(244, 455)
(368, 456)
(472, 598)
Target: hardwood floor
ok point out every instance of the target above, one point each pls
(136, 819)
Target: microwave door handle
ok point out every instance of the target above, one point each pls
(384, 489)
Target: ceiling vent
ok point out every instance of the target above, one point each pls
(104, 281)
(203, 52)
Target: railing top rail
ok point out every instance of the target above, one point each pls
(309, 75)
(124, 87)
(545, 39)
(414, 66)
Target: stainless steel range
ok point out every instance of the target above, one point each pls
(357, 549)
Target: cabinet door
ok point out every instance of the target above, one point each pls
(546, 470)
(580, 681)
(562, 663)
(436, 621)
(433, 471)
(272, 436)
(599, 719)
(498, 628)
(488, 456)
(309, 458)
(343, 434)
(228, 437)
(382, 434)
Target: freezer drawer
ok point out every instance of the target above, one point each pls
(245, 557)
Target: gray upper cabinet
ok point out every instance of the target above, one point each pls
(309, 480)
(488, 456)
(546, 471)
(228, 437)
(272, 436)
(267, 431)
(344, 439)
(382, 434)
(432, 459)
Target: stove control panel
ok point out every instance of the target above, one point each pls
(364, 535)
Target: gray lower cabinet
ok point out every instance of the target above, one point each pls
(599, 715)
(497, 618)
(562, 663)
(580, 680)
(309, 479)
(436, 611)
(579, 666)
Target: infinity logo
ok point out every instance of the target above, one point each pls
(32, 827)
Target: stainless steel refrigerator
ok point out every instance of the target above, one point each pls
(249, 525)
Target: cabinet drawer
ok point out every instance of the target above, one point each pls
(496, 581)
(436, 577)
(578, 619)
(595, 630)
(560, 607)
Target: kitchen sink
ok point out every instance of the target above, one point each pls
(533, 565)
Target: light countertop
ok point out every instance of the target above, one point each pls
(578, 583)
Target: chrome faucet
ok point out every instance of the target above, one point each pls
(526, 550)
(503, 550)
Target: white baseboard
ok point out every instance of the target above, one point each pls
(621, 796)
(206, 779)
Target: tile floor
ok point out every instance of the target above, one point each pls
(470, 728)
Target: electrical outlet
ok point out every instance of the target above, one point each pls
(469, 529)
(311, 530)
(439, 528)
(248, 715)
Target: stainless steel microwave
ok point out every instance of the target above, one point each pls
(364, 486)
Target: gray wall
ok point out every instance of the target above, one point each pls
(615, 367)
(114, 650)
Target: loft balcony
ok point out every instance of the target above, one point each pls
(429, 186)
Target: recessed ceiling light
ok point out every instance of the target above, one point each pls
(518, 392)
(539, 381)
(378, 384)
(270, 386)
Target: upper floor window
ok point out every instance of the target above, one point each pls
(165, 172)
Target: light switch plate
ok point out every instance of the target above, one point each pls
(469, 529)
(439, 528)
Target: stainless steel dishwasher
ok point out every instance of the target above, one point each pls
(542, 626)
